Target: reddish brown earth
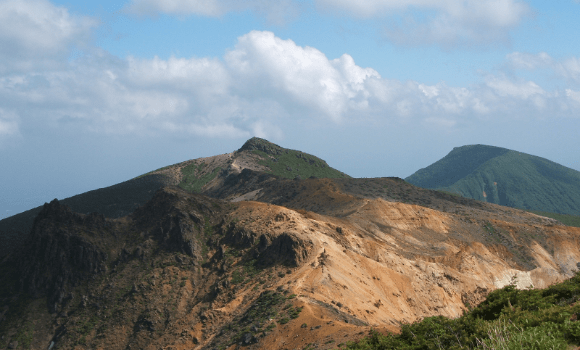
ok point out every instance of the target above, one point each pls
(309, 262)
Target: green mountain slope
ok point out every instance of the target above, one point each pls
(505, 177)
(289, 163)
(206, 174)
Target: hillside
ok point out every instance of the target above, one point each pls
(257, 260)
(505, 177)
(195, 176)
(508, 319)
(307, 263)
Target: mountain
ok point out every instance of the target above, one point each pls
(501, 176)
(196, 176)
(256, 260)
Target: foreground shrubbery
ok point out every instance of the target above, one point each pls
(508, 319)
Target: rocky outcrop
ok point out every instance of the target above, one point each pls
(58, 253)
(178, 233)
(180, 222)
(287, 248)
(113, 202)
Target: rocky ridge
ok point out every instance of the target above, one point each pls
(265, 262)
(188, 271)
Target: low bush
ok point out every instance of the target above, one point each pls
(508, 319)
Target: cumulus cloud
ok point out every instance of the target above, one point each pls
(277, 12)
(36, 33)
(261, 86)
(296, 75)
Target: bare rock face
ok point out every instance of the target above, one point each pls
(283, 245)
(287, 248)
(178, 223)
(177, 234)
(57, 255)
(240, 236)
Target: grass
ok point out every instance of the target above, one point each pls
(508, 319)
(24, 335)
(192, 178)
(247, 272)
(500, 176)
(268, 311)
(290, 164)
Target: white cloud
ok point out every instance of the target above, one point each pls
(277, 12)
(36, 33)
(443, 22)
(568, 69)
(407, 22)
(270, 66)
(573, 95)
(8, 124)
(529, 61)
(519, 89)
(261, 86)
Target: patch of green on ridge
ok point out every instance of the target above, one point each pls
(193, 180)
(291, 164)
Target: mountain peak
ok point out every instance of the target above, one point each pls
(256, 143)
(502, 176)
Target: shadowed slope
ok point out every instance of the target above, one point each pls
(197, 176)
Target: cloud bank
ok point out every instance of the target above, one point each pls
(36, 34)
(261, 86)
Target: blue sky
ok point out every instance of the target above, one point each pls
(95, 93)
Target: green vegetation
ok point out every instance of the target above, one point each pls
(450, 193)
(456, 165)
(508, 319)
(289, 163)
(237, 277)
(84, 328)
(246, 273)
(269, 310)
(194, 178)
(24, 335)
(568, 220)
(500, 176)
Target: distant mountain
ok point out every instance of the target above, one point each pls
(502, 176)
(199, 175)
